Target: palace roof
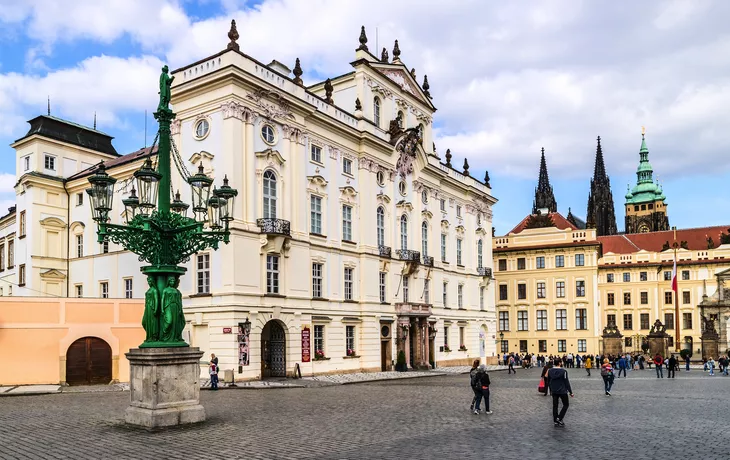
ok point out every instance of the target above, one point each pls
(693, 239)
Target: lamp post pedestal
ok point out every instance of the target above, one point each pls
(165, 387)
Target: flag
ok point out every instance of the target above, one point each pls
(674, 275)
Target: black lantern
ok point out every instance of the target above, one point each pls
(200, 187)
(177, 205)
(148, 181)
(501, 336)
(227, 195)
(101, 193)
(130, 205)
(214, 211)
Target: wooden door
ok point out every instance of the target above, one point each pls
(89, 362)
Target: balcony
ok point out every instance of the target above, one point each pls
(384, 251)
(427, 261)
(270, 226)
(409, 255)
(413, 309)
(484, 271)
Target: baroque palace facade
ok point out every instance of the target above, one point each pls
(353, 239)
(561, 281)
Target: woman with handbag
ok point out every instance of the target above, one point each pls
(607, 374)
(544, 383)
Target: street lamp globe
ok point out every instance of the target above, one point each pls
(178, 206)
(227, 195)
(101, 193)
(130, 205)
(214, 211)
(148, 182)
(200, 187)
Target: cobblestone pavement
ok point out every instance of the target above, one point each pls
(420, 418)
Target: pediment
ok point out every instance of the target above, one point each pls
(348, 192)
(444, 224)
(383, 198)
(427, 214)
(53, 274)
(197, 157)
(405, 205)
(397, 75)
(271, 154)
(53, 222)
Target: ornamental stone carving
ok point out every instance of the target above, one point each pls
(175, 127)
(271, 104)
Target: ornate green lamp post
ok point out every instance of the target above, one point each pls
(159, 231)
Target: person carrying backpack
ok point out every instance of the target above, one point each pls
(560, 389)
(511, 367)
(482, 378)
(607, 374)
(473, 383)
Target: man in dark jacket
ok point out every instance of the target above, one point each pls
(671, 367)
(560, 389)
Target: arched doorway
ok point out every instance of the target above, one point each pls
(89, 362)
(273, 350)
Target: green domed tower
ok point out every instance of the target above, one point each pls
(646, 210)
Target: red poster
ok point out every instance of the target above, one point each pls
(305, 345)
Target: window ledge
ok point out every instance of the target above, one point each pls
(349, 242)
(21, 284)
(385, 303)
(203, 294)
(10, 267)
(351, 301)
(318, 235)
(321, 359)
(318, 163)
(351, 357)
(459, 266)
(321, 299)
(21, 237)
(278, 296)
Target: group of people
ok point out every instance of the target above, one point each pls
(479, 378)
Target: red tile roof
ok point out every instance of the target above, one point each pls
(560, 222)
(141, 153)
(696, 239)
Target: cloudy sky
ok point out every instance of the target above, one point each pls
(507, 77)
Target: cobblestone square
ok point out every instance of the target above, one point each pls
(647, 418)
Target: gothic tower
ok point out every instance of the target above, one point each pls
(601, 215)
(646, 210)
(544, 198)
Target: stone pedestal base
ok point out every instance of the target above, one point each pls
(613, 346)
(165, 387)
(657, 345)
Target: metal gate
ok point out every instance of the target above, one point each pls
(89, 361)
(278, 350)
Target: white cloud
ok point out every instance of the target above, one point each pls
(7, 182)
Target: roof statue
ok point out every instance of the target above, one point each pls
(363, 40)
(298, 73)
(233, 35)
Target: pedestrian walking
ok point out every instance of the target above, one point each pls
(483, 384)
(607, 375)
(686, 362)
(711, 365)
(588, 365)
(560, 389)
(622, 366)
(511, 368)
(544, 376)
(473, 384)
(658, 361)
(213, 371)
(671, 367)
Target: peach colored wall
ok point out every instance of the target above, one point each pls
(35, 334)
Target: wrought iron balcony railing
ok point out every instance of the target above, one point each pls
(384, 251)
(484, 271)
(274, 226)
(409, 255)
(427, 261)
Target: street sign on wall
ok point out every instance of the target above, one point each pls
(306, 351)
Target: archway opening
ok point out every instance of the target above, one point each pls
(89, 362)
(273, 350)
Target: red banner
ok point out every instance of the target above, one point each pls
(305, 345)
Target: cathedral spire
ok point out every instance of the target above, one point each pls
(601, 213)
(544, 197)
(600, 168)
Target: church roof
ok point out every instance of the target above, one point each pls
(696, 240)
(71, 133)
(558, 220)
(645, 190)
(576, 221)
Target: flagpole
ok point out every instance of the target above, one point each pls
(675, 286)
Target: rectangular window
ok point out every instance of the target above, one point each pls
(316, 215)
(609, 278)
(319, 338)
(627, 298)
(481, 297)
(670, 342)
(2, 257)
(203, 273)
(347, 166)
(128, 288)
(443, 205)
(504, 321)
(686, 321)
(22, 223)
(317, 280)
(79, 199)
(460, 295)
(628, 321)
(347, 223)
(272, 274)
(580, 288)
(581, 318)
(104, 289)
(669, 320)
(11, 253)
(446, 336)
(561, 319)
(643, 276)
(26, 163)
(542, 346)
(522, 321)
(458, 251)
(522, 291)
(685, 275)
(561, 346)
(542, 320)
(316, 153)
(503, 265)
(79, 290)
(21, 275)
(627, 341)
(540, 262)
(502, 292)
(405, 288)
(644, 320)
(458, 211)
(348, 283)
(443, 295)
(580, 260)
(523, 346)
(462, 342)
(627, 277)
(541, 290)
(443, 248)
(350, 340)
(427, 291)
(667, 276)
(50, 163)
(611, 319)
(611, 298)
(79, 245)
(521, 263)
(505, 346)
(685, 297)
(560, 289)
(381, 287)
(559, 261)
(668, 300)
(105, 247)
(582, 348)
(644, 298)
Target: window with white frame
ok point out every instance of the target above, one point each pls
(319, 338)
(446, 336)
(504, 321)
(559, 261)
(22, 223)
(481, 297)
(348, 283)
(347, 223)
(2, 257)
(479, 253)
(316, 280)
(580, 260)
(380, 178)
(560, 289)
(11, 255)
(458, 211)
(269, 195)
(581, 318)
(350, 340)
(582, 346)
(347, 166)
(442, 204)
(316, 215)
(540, 262)
(381, 285)
(541, 291)
(542, 320)
(316, 153)
(79, 199)
(104, 289)
(79, 290)
(424, 239)
(444, 293)
(522, 320)
(561, 346)
(460, 295)
(79, 245)
(376, 111)
(203, 273)
(561, 319)
(26, 163)
(272, 274)
(21, 275)
(458, 251)
(405, 288)
(403, 232)
(268, 134)
(443, 247)
(427, 291)
(580, 288)
(128, 292)
(50, 162)
(380, 225)
(462, 337)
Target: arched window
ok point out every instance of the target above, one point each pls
(269, 195)
(380, 222)
(403, 232)
(479, 253)
(376, 111)
(401, 120)
(424, 239)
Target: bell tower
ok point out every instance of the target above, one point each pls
(646, 209)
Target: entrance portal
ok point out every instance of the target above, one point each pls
(89, 362)
(273, 350)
